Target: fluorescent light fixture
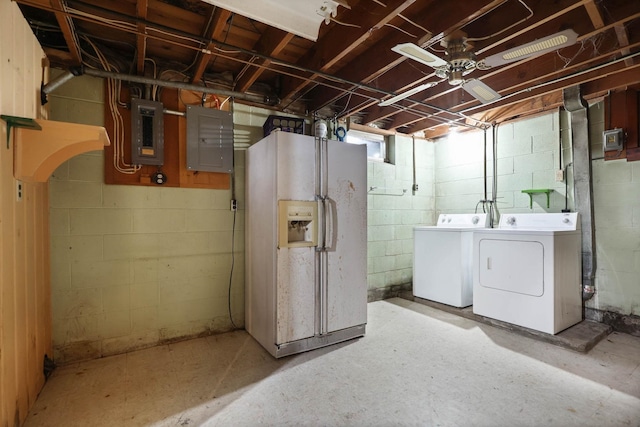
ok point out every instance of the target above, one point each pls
(417, 53)
(299, 17)
(538, 47)
(480, 91)
(406, 94)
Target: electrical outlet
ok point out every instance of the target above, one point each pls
(560, 175)
(19, 190)
(415, 187)
(234, 205)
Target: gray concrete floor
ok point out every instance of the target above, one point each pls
(417, 366)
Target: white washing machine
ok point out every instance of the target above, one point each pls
(442, 259)
(528, 271)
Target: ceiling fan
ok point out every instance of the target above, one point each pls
(460, 60)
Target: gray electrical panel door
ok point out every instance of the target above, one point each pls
(209, 140)
(147, 132)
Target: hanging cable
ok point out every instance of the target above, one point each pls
(476, 39)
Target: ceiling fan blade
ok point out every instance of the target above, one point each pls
(406, 94)
(480, 91)
(537, 47)
(419, 54)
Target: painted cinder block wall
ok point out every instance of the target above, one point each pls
(25, 315)
(528, 157)
(394, 209)
(135, 266)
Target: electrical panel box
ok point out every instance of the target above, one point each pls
(612, 140)
(147, 132)
(209, 140)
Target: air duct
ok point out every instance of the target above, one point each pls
(582, 183)
(46, 89)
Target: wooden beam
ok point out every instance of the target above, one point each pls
(615, 76)
(220, 18)
(141, 38)
(621, 31)
(328, 51)
(594, 14)
(380, 59)
(540, 17)
(623, 40)
(272, 42)
(527, 76)
(69, 33)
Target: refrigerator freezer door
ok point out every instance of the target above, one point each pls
(346, 289)
(295, 283)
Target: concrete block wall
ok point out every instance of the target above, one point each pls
(527, 158)
(394, 209)
(616, 193)
(459, 172)
(136, 266)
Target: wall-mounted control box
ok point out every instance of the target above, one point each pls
(613, 140)
(209, 140)
(147, 132)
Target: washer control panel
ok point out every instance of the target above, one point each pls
(463, 220)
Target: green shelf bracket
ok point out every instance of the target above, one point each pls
(18, 122)
(547, 191)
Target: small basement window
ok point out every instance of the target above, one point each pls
(377, 145)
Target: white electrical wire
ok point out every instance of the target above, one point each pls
(414, 24)
(401, 30)
(113, 92)
(476, 39)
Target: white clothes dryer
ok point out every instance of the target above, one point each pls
(442, 259)
(528, 271)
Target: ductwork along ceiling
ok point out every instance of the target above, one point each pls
(411, 66)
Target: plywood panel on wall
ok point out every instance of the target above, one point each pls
(174, 148)
(25, 315)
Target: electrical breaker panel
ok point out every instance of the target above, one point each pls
(147, 132)
(209, 140)
(613, 139)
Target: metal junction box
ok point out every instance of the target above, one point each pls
(209, 140)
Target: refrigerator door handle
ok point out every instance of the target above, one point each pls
(322, 224)
(329, 224)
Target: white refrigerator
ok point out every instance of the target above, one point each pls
(306, 242)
